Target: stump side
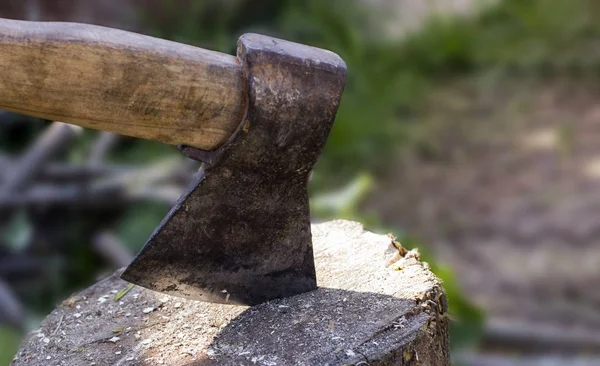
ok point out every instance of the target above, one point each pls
(374, 306)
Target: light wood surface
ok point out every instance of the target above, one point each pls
(376, 305)
(120, 82)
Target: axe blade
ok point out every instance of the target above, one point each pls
(241, 234)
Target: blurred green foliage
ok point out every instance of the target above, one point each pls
(17, 231)
(137, 223)
(9, 342)
(531, 37)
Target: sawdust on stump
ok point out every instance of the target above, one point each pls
(376, 304)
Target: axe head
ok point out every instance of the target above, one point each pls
(241, 234)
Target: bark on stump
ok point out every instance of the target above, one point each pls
(376, 304)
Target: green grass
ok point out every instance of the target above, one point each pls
(534, 36)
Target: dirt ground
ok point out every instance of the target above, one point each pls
(503, 181)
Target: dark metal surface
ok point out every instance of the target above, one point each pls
(241, 234)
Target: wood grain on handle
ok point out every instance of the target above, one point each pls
(120, 82)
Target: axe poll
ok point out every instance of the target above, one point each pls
(257, 121)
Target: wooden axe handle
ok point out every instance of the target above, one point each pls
(121, 82)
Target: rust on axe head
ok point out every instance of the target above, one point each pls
(241, 234)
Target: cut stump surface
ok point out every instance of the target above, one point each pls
(376, 304)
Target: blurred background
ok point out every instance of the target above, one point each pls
(469, 129)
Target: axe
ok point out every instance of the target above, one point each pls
(241, 233)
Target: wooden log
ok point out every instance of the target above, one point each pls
(377, 304)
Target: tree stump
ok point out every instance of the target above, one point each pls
(377, 304)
